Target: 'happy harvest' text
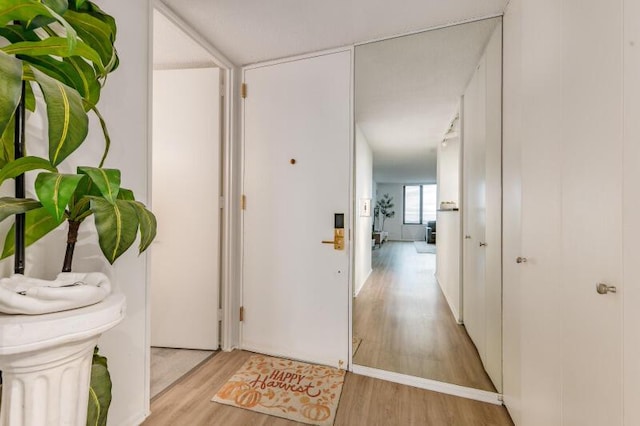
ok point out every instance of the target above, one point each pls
(286, 381)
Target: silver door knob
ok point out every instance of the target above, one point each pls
(602, 288)
(483, 244)
(521, 259)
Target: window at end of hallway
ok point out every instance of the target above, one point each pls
(419, 204)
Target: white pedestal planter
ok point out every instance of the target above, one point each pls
(46, 363)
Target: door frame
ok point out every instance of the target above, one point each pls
(227, 183)
(350, 204)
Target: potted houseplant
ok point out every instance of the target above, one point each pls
(62, 52)
(384, 209)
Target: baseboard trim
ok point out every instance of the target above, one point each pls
(136, 419)
(456, 314)
(428, 384)
(359, 289)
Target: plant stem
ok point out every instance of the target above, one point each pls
(19, 255)
(72, 238)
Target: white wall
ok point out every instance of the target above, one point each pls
(363, 224)
(125, 106)
(449, 171)
(398, 231)
(449, 254)
(448, 259)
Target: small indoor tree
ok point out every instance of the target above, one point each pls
(61, 51)
(384, 209)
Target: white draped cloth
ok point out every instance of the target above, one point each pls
(70, 290)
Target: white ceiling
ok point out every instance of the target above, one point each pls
(407, 94)
(248, 31)
(173, 48)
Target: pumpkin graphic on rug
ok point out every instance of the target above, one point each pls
(294, 390)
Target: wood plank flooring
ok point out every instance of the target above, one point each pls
(406, 325)
(365, 401)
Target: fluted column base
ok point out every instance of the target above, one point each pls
(47, 387)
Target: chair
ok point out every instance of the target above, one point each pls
(431, 232)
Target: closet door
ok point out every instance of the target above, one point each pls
(474, 209)
(482, 209)
(569, 349)
(592, 154)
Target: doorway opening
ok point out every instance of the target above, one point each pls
(188, 180)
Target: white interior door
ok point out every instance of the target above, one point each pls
(482, 256)
(296, 177)
(474, 212)
(493, 212)
(592, 187)
(185, 189)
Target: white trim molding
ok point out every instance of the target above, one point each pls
(428, 384)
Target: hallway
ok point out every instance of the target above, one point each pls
(406, 325)
(364, 401)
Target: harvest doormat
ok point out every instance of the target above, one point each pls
(293, 390)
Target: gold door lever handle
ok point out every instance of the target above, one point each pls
(338, 239)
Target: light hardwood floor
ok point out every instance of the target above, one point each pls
(406, 325)
(365, 401)
(168, 365)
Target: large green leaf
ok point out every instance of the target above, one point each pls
(106, 180)
(55, 68)
(95, 33)
(117, 226)
(30, 98)
(85, 81)
(27, 11)
(23, 165)
(68, 122)
(148, 225)
(38, 223)
(22, 10)
(11, 206)
(126, 194)
(95, 11)
(7, 145)
(54, 191)
(58, 6)
(16, 33)
(55, 46)
(99, 391)
(10, 88)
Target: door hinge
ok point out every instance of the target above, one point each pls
(243, 202)
(241, 313)
(221, 203)
(243, 90)
(220, 314)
